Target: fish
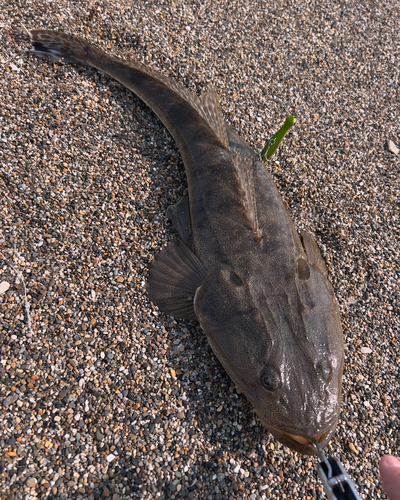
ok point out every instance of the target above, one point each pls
(257, 286)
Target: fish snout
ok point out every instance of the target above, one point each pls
(304, 443)
(310, 440)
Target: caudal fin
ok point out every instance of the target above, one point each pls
(60, 46)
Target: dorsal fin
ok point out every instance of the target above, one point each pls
(207, 105)
(245, 168)
(210, 110)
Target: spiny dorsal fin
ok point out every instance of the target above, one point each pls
(245, 169)
(207, 105)
(174, 276)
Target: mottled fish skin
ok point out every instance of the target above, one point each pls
(259, 291)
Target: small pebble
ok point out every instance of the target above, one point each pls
(10, 399)
(31, 482)
(99, 436)
(366, 350)
(393, 148)
(174, 485)
(353, 448)
(4, 286)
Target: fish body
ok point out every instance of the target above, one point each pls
(259, 290)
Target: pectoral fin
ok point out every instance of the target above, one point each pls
(174, 276)
(314, 256)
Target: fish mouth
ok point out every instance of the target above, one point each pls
(306, 440)
(301, 439)
(300, 443)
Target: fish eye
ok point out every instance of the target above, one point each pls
(324, 369)
(270, 378)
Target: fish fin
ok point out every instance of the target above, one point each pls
(245, 167)
(179, 214)
(244, 160)
(314, 256)
(207, 105)
(210, 110)
(61, 46)
(174, 276)
(58, 46)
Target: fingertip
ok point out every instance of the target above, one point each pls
(389, 468)
(389, 462)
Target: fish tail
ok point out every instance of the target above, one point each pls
(182, 112)
(61, 46)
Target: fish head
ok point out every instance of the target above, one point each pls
(281, 345)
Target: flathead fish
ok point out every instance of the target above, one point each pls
(258, 289)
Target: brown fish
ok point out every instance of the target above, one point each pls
(259, 291)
